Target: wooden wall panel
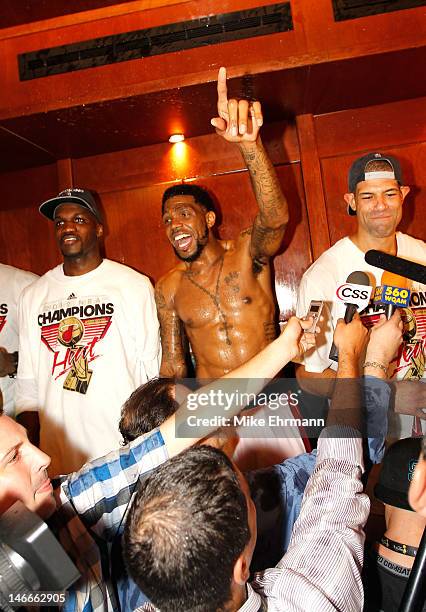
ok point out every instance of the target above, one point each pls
(196, 157)
(371, 128)
(135, 234)
(317, 213)
(26, 238)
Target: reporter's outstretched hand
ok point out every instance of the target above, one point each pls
(239, 120)
(385, 339)
(297, 340)
(410, 397)
(350, 338)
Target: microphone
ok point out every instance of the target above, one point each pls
(355, 293)
(397, 265)
(392, 293)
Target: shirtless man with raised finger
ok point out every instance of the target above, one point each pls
(220, 293)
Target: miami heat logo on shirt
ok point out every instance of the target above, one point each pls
(3, 312)
(412, 354)
(79, 337)
(410, 363)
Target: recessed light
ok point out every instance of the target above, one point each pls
(176, 138)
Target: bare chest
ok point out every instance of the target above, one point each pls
(221, 292)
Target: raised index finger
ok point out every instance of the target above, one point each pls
(222, 91)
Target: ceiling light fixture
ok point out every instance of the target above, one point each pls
(176, 138)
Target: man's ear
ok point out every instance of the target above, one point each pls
(417, 491)
(241, 571)
(405, 190)
(99, 230)
(350, 200)
(210, 218)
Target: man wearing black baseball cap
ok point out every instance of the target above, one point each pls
(82, 197)
(375, 197)
(388, 563)
(373, 166)
(89, 338)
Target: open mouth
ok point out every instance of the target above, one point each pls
(182, 241)
(70, 239)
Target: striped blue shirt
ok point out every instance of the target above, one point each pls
(91, 508)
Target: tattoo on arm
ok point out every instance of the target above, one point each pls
(173, 356)
(273, 208)
(160, 300)
(264, 243)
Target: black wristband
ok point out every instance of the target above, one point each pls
(403, 549)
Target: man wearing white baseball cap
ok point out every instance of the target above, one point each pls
(89, 337)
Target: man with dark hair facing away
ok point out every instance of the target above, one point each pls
(147, 408)
(191, 531)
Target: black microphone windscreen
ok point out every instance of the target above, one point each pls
(358, 278)
(397, 265)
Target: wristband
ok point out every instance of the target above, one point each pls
(375, 364)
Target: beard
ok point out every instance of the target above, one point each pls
(201, 243)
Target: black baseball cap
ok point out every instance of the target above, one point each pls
(358, 172)
(74, 195)
(397, 472)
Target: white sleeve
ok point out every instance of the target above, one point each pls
(22, 280)
(318, 286)
(26, 389)
(148, 333)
